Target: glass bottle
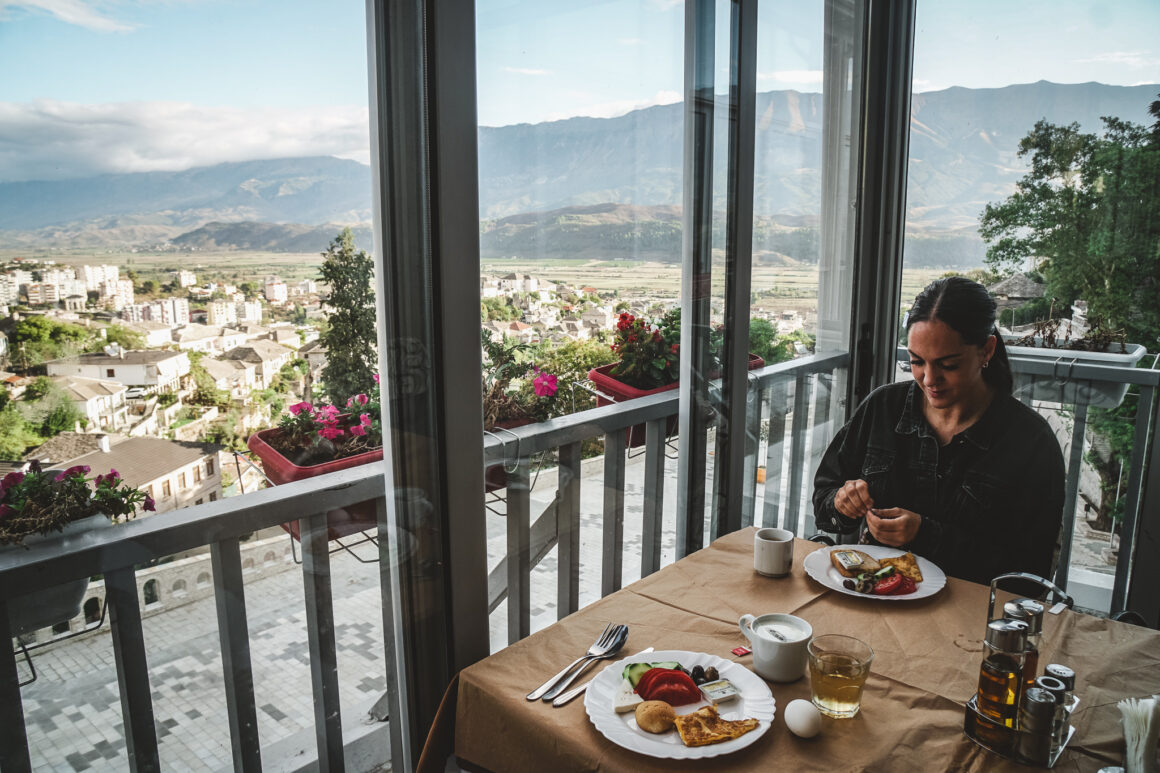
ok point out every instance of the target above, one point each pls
(1001, 675)
(1031, 612)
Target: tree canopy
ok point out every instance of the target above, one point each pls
(1087, 215)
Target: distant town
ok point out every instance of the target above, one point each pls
(163, 379)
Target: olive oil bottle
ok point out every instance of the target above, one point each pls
(1002, 673)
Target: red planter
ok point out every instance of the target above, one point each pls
(341, 522)
(609, 384)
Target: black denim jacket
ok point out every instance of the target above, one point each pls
(991, 500)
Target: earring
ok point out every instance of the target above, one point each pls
(985, 364)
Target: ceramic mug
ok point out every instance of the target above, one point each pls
(773, 552)
(780, 645)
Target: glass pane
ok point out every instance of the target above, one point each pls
(580, 180)
(1012, 128)
(163, 219)
(804, 196)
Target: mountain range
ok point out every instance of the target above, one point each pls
(962, 155)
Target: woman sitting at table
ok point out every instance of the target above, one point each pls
(949, 466)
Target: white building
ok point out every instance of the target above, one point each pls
(276, 290)
(249, 311)
(95, 276)
(175, 473)
(40, 293)
(156, 371)
(307, 287)
(100, 401)
(221, 313)
(117, 294)
(186, 278)
(156, 334)
(9, 289)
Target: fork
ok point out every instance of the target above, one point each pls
(599, 647)
(621, 635)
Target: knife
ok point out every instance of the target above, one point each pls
(562, 699)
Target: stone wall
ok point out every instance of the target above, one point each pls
(165, 587)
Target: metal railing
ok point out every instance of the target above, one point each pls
(795, 409)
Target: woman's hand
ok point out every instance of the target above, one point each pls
(853, 499)
(893, 526)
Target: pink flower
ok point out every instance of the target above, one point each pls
(358, 429)
(365, 419)
(330, 432)
(328, 410)
(376, 375)
(545, 385)
(10, 480)
(298, 408)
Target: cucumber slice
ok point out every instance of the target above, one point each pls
(634, 671)
(885, 571)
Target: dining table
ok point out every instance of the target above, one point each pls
(927, 653)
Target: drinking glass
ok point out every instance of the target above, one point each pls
(839, 666)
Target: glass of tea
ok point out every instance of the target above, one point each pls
(839, 666)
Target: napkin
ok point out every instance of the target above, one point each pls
(1141, 720)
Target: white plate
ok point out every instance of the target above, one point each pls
(819, 566)
(755, 702)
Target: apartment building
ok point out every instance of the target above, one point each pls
(155, 371)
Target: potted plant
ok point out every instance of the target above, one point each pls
(318, 438)
(649, 363)
(1098, 345)
(50, 507)
(515, 393)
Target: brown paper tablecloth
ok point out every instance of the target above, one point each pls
(927, 655)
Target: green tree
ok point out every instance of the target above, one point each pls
(205, 391)
(122, 336)
(38, 339)
(351, 359)
(1087, 213)
(16, 436)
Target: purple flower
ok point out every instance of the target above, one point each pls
(150, 505)
(6, 511)
(113, 476)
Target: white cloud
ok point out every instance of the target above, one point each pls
(1137, 59)
(614, 108)
(527, 71)
(792, 77)
(47, 140)
(79, 12)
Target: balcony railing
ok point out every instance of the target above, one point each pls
(795, 409)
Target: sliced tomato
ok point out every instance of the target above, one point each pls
(887, 585)
(669, 685)
(907, 586)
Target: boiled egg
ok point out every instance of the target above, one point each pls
(802, 718)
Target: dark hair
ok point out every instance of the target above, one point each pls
(967, 308)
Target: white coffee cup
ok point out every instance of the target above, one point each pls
(780, 645)
(773, 552)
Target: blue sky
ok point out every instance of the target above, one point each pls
(134, 85)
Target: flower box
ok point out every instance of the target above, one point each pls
(608, 384)
(1059, 388)
(58, 603)
(342, 522)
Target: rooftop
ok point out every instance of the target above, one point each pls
(84, 389)
(131, 357)
(144, 459)
(67, 446)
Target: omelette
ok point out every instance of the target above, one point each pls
(705, 726)
(906, 565)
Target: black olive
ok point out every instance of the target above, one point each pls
(711, 674)
(698, 675)
(848, 584)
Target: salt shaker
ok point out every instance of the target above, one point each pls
(1036, 719)
(1059, 722)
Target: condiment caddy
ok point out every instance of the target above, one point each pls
(1017, 712)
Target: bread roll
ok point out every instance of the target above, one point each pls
(866, 563)
(655, 716)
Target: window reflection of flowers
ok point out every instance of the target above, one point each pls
(515, 390)
(40, 501)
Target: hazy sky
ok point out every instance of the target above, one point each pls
(133, 85)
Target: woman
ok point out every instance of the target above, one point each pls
(950, 466)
